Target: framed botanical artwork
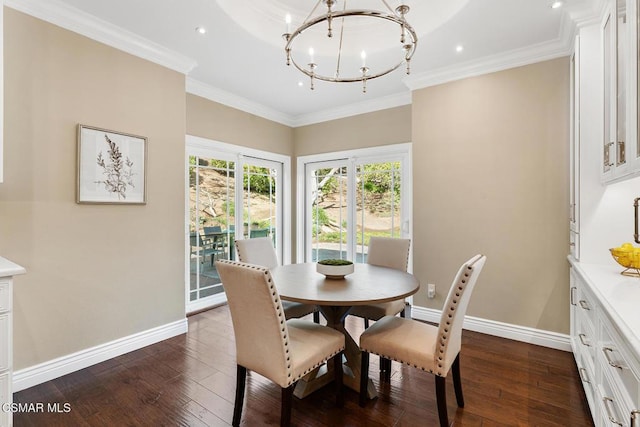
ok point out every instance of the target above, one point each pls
(111, 167)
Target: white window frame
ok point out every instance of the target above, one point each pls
(352, 157)
(203, 147)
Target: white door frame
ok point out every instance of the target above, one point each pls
(197, 146)
(402, 152)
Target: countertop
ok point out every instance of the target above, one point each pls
(8, 268)
(619, 295)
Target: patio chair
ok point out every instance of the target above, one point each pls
(202, 247)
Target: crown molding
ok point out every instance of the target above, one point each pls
(377, 104)
(80, 22)
(196, 87)
(490, 64)
(589, 15)
(229, 99)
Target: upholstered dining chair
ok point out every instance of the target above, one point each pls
(385, 252)
(435, 349)
(283, 351)
(260, 251)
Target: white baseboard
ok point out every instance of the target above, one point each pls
(499, 329)
(43, 372)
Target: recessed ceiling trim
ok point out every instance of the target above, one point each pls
(75, 20)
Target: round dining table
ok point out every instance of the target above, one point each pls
(368, 284)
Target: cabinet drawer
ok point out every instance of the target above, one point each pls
(617, 362)
(4, 338)
(586, 306)
(612, 407)
(587, 376)
(585, 338)
(5, 296)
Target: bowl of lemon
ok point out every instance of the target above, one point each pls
(629, 257)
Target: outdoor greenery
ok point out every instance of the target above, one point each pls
(377, 177)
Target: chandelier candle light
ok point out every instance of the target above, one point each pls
(346, 17)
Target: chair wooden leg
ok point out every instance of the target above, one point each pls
(364, 377)
(285, 408)
(337, 368)
(316, 317)
(441, 397)
(241, 377)
(385, 369)
(457, 383)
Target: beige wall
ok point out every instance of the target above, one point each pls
(94, 273)
(491, 176)
(208, 119)
(391, 126)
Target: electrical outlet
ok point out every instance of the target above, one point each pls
(431, 291)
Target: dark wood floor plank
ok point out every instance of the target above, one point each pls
(189, 380)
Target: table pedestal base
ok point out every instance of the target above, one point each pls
(322, 376)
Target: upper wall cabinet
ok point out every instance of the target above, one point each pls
(621, 148)
(574, 146)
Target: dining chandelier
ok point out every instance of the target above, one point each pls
(338, 20)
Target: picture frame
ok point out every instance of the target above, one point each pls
(111, 167)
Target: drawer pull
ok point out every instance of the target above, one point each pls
(606, 351)
(571, 294)
(582, 337)
(607, 401)
(634, 418)
(583, 376)
(584, 305)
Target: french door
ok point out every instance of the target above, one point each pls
(352, 196)
(230, 196)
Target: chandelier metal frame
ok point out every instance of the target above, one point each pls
(408, 46)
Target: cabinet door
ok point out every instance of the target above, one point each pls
(574, 155)
(621, 71)
(620, 49)
(608, 73)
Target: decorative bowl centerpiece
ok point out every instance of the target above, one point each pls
(334, 268)
(628, 257)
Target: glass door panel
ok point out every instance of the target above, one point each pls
(329, 212)
(211, 214)
(378, 189)
(260, 200)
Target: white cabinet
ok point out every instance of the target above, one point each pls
(605, 337)
(574, 155)
(620, 149)
(7, 271)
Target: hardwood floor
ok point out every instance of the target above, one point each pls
(189, 380)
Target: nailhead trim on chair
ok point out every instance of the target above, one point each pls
(444, 333)
(285, 336)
